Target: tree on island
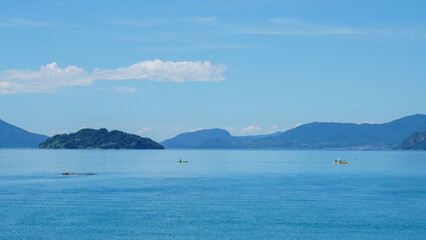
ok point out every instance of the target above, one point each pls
(99, 139)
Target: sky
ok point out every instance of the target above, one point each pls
(160, 68)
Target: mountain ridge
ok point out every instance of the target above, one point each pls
(14, 137)
(315, 135)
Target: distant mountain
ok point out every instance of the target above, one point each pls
(348, 135)
(102, 139)
(195, 139)
(315, 135)
(211, 138)
(14, 137)
(417, 141)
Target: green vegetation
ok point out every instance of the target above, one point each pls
(417, 141)
(99, 139)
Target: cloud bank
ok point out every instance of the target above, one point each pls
(165, 71)
(239, 131)
(51, 78)
(250, 130)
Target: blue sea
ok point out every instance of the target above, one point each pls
(218, 194)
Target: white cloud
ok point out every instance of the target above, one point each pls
(158, 70)
(300, 27)
(143, 131)
(232, 130)
(297, 125)
(125, 89)
(119, 89)
(51, 78)
(138, 22)
(238, 131)
(294, 26)
(367, 122)
(250, 130)
(274, 128)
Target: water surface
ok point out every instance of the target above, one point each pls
(218, 194)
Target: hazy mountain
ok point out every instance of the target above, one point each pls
(210, 138)
(102, 139)
(195, 139)
(348, 135)
(312, 135)
(417, 141)
(14, 137)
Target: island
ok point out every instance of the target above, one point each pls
(99, 139)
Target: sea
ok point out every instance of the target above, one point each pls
(217, 194)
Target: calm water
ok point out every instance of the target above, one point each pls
(216, 195)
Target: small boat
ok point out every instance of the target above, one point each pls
(182, 161)
(339, 161)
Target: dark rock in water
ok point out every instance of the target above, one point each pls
(68, 173)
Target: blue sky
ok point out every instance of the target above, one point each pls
(159, 68)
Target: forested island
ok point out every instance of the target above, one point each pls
(99, 139)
